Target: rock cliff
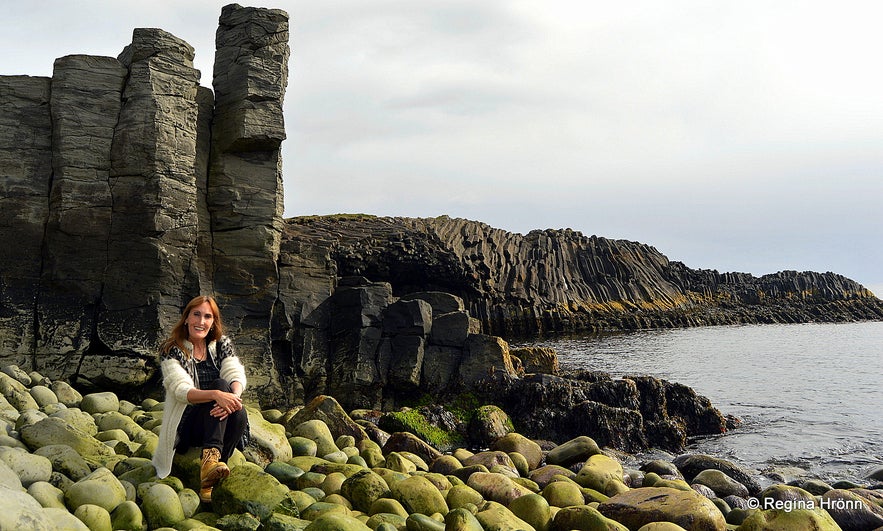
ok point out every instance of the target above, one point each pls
(561, 280)
(126, 188)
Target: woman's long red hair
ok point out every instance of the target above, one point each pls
(180, 334)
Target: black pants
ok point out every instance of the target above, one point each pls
(199, 429)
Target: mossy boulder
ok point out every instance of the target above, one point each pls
(603, 474)
(102, 402)
(413, 421)
(462, 520)
(517, 443)
(488, 424)
(96, 518)
(47, 494)
(496, 487)
(127, 517)
(546, 474)
(54, 430)
(363, 489)
(533, 509)
(573, 451)
(644, 505)
(249, 489)
(816, 519)
(318, 432)
(99, 488)
(388, 506)
(161, 506)
(584, 517)
(461, 495)
(418, 495)
(494, 516)
(722, 484)
(563, 494)
(29, 467)
(337, 522)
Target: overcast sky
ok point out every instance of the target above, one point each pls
(737, 136)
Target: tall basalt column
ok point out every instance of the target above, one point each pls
(154, 229)
(85, 106)
(245, 176)
(25, 173)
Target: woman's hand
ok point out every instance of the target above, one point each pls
(226, 404)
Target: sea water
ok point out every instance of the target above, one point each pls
(810, 396)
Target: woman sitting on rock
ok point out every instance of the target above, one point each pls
(204, 381)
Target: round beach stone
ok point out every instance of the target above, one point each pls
(287, 474)
(601, 473)
(249, 489)
(789, 520)
(546, 474)
(317, 509)
(363, 489)
(29, 467)
(395, 520)
(79, 419)
(318, 432)
(445, 464)
(337, 522)
(461, 520)
(461, 495)
(661, 526)
(533, 509)
(47, 494)
(18, 510)
(162, 506)
(96, 518)
(418, 495)
(496, 487)
(103, 402)
(15, 372)
(100, 488)
(662, 468)
(389, 506)
(573, 451)
(494, 515)
(563, 494)
(43, 396)
(722, 484)
(515, 442)
(16, 393)
(852, 511)
(399, 463)
(816, 487)
(644, 505)
(127, 516)
(585, 517)
(66, 394)
(422, 522)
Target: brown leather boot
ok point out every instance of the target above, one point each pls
(211, 471)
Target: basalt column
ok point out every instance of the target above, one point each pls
(245, 178)
(154, 228)
(25, 173)
(85, 106)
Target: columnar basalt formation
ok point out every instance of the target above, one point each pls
(244, 191)
(127, 189)
(25, 175)
(561, 280)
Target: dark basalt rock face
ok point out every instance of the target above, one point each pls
(127, 189)
(561, 280)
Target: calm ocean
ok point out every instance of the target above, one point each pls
(810, 396)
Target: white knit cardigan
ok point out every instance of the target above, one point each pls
(178, 382)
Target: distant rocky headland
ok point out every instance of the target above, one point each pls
(127, 188)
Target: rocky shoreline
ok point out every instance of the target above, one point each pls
(74, 461)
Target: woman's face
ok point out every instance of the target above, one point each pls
(199, 322)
